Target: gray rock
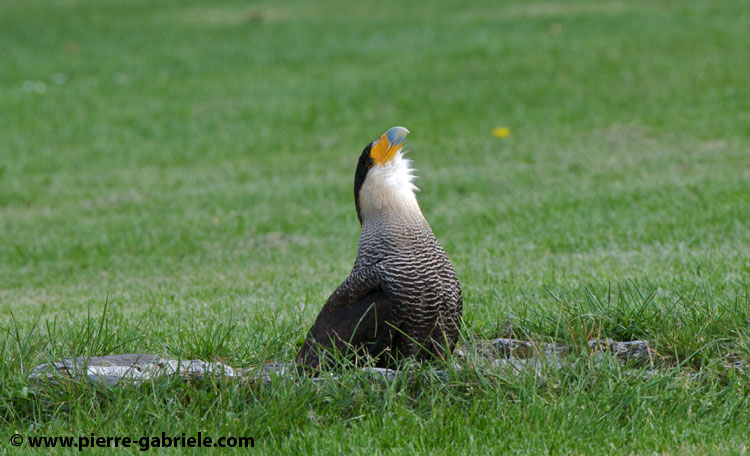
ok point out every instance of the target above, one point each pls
(625, 351)
(267, 372)
(524, 349)
(514, 349)
(133, 367)
(509, 355)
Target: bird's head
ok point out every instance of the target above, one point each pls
(384, 178)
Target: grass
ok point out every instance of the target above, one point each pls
(189, 165)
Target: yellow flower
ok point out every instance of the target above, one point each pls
(501, 132)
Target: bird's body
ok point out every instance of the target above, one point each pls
(402, 297)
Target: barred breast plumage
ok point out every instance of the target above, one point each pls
(402, 297)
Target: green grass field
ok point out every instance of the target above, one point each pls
(189, 165)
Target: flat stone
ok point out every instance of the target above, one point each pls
(509, 355)
(132, 367)
(286, 370)
(380, 373)
(524, 349)
(625, 351)
(266, 373)
(504, 348)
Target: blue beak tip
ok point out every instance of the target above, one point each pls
(396, 135)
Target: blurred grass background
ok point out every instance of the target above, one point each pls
(191, 164)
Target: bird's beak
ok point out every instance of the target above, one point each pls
(385, 147)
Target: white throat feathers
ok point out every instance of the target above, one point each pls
(389, 187)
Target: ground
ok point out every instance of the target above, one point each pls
(176, 178)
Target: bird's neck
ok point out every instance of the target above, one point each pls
(396, 217)
(388, 191)
(388, 232)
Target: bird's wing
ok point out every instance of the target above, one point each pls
(361, 328)
(355, 313)
(360, 283)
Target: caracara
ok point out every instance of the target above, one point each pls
(402, 297)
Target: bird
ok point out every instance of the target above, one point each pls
(402, 297)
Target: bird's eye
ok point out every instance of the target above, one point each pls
(370, 161)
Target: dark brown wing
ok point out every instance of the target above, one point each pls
(360, 328)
